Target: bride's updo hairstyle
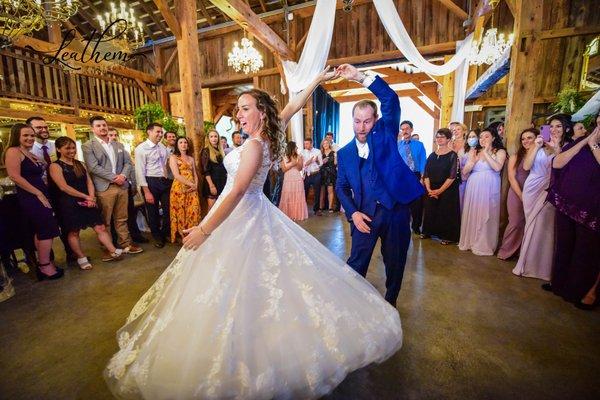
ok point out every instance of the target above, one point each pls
(272, 128)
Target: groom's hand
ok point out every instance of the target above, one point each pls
(350, 72)
(360, 222)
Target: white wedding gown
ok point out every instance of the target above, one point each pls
(261, 310)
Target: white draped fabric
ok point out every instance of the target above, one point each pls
(318, 42)
(591, 107)
(312, 61)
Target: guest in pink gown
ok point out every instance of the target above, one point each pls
(513, 235)
(535, 260)
(293, 201)
(471, 142)
(481, 208)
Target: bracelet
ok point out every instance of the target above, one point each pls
(595, 146)
(202, 231)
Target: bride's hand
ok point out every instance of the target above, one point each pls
(193, 238)
(327, 74)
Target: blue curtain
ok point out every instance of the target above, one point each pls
(326, 116)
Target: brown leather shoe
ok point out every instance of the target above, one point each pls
(132, 249)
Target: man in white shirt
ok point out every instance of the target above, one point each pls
(151, 158)
(109, 165)
(42, 148)
(312, 171)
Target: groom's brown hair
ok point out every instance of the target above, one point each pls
(364, 104)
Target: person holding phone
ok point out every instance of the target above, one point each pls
(535, 260)
(76, 201)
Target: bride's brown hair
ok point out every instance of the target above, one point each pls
(272, 126)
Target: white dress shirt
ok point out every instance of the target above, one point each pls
(315, 165)
(150, 160)
(363, 149)
(39, 152)
(111, 154)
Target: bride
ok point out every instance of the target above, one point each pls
(275, 316)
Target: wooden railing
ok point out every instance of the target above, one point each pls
(26, 77)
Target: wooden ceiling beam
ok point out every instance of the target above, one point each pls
(401, 77)
(371, 96)
(90, 19)
(242, 14)
(438, 48)
(434, 113)
(148, 10)
(566, 32)
(263, 6)
(511, 6)
(169, 17)
(52, 117)
(455, 9)
(205, 13)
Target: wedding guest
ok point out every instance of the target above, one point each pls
(77, 202)
(236, 139)
(498, 126)
(293, 201)
(415, 136)
(481, 214)
(334, 146)
(328, 176)
(109, 165)
(215, 173)
(225, 145)
(579, 130)
(413, 154)
(151, 157)
(170, 139)
(132, 210)
(313, 160)
(45, 150)
(575, 192)
(535, 260)
(458, 138)
(26, 171)
(185, 204)
(513, 234)
(442, 211)
(472, 142)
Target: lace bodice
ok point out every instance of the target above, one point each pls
(232, 163)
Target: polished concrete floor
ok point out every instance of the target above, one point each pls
(472, 330)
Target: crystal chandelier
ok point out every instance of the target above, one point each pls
(128, 33)
(19, 17)
(492, 47)
(58, 10)
(246, 58)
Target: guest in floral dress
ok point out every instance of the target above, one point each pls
(185, 205)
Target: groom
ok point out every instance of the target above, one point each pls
(374, 185)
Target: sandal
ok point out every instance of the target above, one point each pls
(41, 276)
(445, 242)
(84, 263)
(116, 256)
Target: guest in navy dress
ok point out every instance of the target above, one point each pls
(27, 172)
(76, 202)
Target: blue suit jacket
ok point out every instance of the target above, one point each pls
(400, 182)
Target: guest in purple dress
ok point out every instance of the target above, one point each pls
(575, 192)
(471, 142)
(513, 234)
(27, 172)
(535, 259)
(481, 214)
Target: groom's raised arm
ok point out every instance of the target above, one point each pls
(390, 105)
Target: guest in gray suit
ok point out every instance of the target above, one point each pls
(109, 166)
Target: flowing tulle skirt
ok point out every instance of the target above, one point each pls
(272, 315)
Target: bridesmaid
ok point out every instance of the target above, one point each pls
(27, 172)
(513, 235)
(441, 215)
(575, 192)
(535, 260)
(458, 139)
(471, 143)
(184, 202)
(481, 215)
(293, 201)
(328, 175)
(215, 174)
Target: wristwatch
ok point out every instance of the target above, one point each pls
(368, 79)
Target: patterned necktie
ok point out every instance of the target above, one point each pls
(409, 158)
(46, 155)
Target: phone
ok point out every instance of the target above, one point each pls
(545, 132)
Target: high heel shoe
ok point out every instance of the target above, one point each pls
(586, 307)
(57, 275)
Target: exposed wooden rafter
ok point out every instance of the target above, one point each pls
(204, 12)
(454, 9)
(242, 14)
(148, 10)
(170, 19)
(371, 96)
(434, 113)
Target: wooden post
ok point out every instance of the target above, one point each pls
(522, 76)
(189, 74)
(207, 105)
(447, 97)
(74, 94)
(68, 130)
(159, 65)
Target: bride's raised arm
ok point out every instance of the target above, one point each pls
(300, 100)
(250, 161)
